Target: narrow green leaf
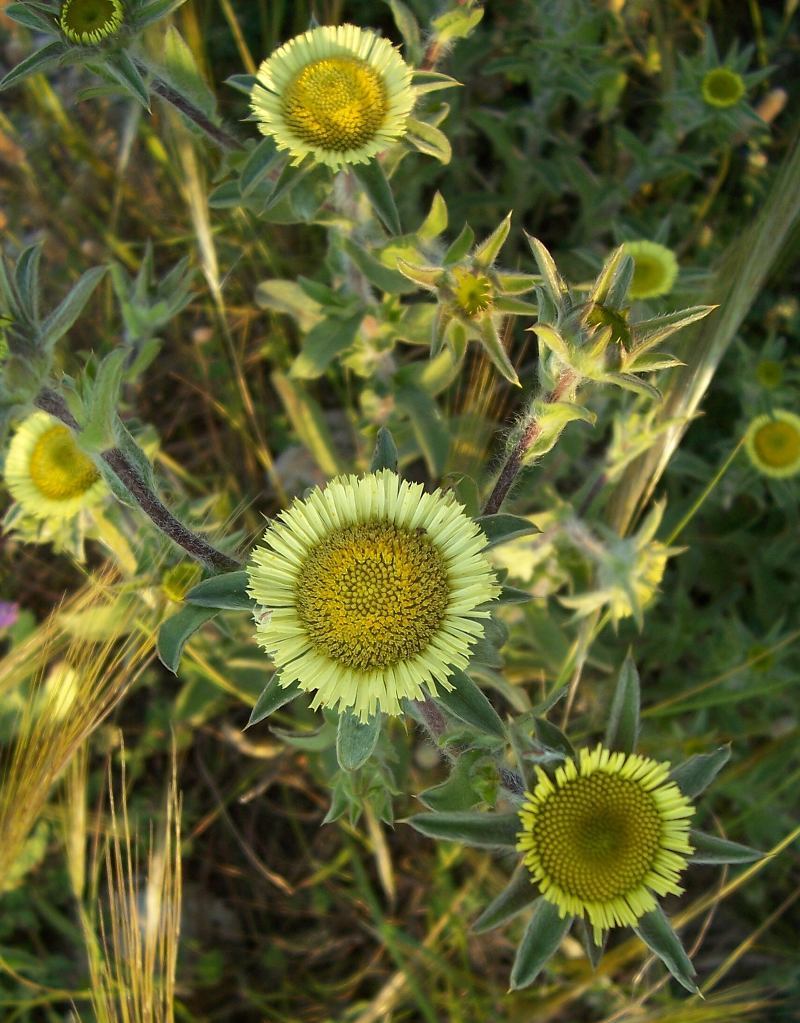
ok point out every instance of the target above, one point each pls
(656, 932)
(379, 192)
(184, 73)
(381, 277)
(122, 69)
(309, 423)
(502, 528)
(409, 29)
(460, 247)
(42, 60)
(432, 81)
(429, 140)
(242, 83)
(622, 731)
(594, 952)
(493, 346)
(469, 704)
(258, 165)
(552, 737)
(710, 849)
(288, 178)
(512, 595)
(355, 740)
(542, 938)
(26, 276)
(32, 19)
(694, 775)
(155, 11)
(64, 316)
(518, 895)
(428, 426)
(228, 592)
(613, 281)
(547, 268)
(489, 249)
(486, 830)
(322, 344)
(436, 220)
(177, 630)
(273, 696)
(385, 453)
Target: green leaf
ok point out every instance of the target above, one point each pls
(98, 422)
(710, 849)
(309, 423)
(551, 339)
(184, 74)
(64, 316)
(429, 140)
(552, 737)
(594, 952)
(486, 830)
(612, 283)
(512, 595)
(656, 932)
(487, 252)
(518, 895)
(26, 277)
(272, 697)
(541, 940)
(622, 731)
(122, 69)
(459, 792)
(381, 277)
(469, 704)
(42, 60)
(502, 528)
(228, 592)
(436, 220)
(155, 11)
(694, 775)
(38, 21)
(258, 165)
(460, 247)
(648, 333)
(355, 740)
(385, 453)
(493, 346)
(177, 630)
(431, 81)
(242, 83)
(428, 426)
(456, 24)
(553, 280)
(322, 344)
(378, 191)
(409, 30)
(289, 177)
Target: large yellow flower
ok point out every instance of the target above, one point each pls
(339, 92)
(604, 835)
(370, 591)
(47, 473)
(773, 443)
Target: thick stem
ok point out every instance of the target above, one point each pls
(195, 546)
(528, 435)
(223, 138)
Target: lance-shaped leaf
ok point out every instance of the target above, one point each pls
(543, 935)
(493, 346)
(694, 775)
(518, 895)
(513, 595)
(329, 338)
(64, 316)
(26, 278)
(469, 704)
(553, 280)
(648, 333)
(710, 849)
(227, 592)
(502, 528)
(125, 73)
(594, 952)
(485, 830)
(356, 739)
(552, 737)
(259, 164)
(629, 382)
(273, 696)
(376, 186)
(611, 287)
(622, 731)
(656, 932)
(385, 454)
(289, 177)
(460, 247)
(551, 339)
(38, 21)
(514, 283)
(428, 140)
(429, 277)
(489, 249)
(155, 10)
(42, 60)
(177, 630)
(436, 220)
(432, 81)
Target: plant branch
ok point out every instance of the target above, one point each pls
(527, 435)
(195, 546)
(224, 139)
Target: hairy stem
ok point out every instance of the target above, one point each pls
(224, 139)
(195, 546)
(527, 434)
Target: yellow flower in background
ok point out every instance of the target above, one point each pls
(654, 269)
(605, 835)
(773, 443)
(341, 93)
(370, 591)
(90, 21)
(722, 87)
(47, 473)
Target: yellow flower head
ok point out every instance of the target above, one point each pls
(773, 443)
(88, 22)
(722, 87)
(473, 292)
(341, 93)
(369, 592)
(654, 269)
(603, 836)
(47, 473)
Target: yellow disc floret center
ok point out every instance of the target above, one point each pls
(58, 468)
(336, 103)
(372, 595)
(473, 292)
(777, 444)
(722, 87)
(597, 837)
